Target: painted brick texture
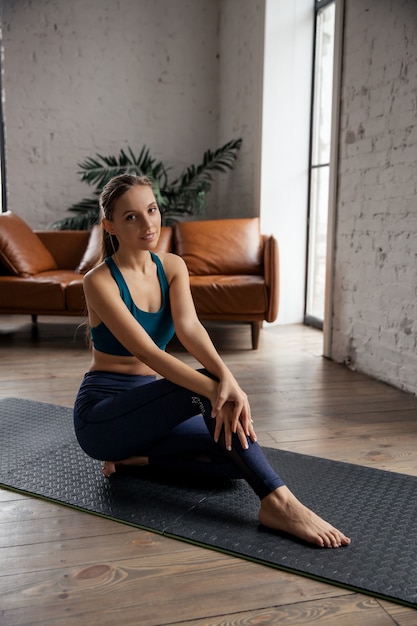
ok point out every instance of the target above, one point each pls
(375, 295)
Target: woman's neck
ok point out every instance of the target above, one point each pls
(139, 261)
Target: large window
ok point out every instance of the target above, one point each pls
(321, 124)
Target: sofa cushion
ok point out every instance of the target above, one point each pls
(230, 246)
(92, 253)
(244, 297)
(21, 250)
(33, 294)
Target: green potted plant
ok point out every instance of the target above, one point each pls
(184, 196)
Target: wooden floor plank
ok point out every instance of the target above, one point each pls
(396, 454)
(351, 610)
(402, 616)
(56, 527)
(47, 555)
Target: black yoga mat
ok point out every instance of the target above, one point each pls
(377, 509)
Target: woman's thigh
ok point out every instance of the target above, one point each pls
(132, 421)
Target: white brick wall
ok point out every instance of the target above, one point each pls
(375, 296)
(85, 77)
(241, 78)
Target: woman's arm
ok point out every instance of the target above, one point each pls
(197, 342)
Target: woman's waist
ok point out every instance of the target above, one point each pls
(102, 362)
(114, 380)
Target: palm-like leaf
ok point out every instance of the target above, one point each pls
(87, 215)
(191, 187)
(76, 222)
(98, 171)
(221, 160)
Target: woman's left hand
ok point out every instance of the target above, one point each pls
(230, 391)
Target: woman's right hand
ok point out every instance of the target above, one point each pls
(225, 420)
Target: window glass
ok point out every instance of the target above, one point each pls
(319, 164)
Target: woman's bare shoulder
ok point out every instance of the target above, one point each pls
(96, 273)
(173, 264)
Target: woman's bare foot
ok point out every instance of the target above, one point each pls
(110, 467)
(281, 510)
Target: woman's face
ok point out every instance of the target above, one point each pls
(136, 220)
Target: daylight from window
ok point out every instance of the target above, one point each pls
(319, 167)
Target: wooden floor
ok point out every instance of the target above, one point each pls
(64, 567)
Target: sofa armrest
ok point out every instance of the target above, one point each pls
(271, 270)
(66, 246)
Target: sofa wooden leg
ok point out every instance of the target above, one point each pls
(34, 319)
(256, 330)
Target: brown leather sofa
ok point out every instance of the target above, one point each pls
(233, 269)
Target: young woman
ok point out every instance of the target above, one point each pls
(184, 419)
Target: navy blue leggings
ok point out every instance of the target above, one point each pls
(117, 416)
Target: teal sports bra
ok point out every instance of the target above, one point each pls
(158, 325)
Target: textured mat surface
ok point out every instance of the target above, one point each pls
(39, 455)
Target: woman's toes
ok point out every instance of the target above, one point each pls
(108, 468)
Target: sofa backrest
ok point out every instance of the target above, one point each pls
(215, 247)
(165, 240)
(66, 246)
